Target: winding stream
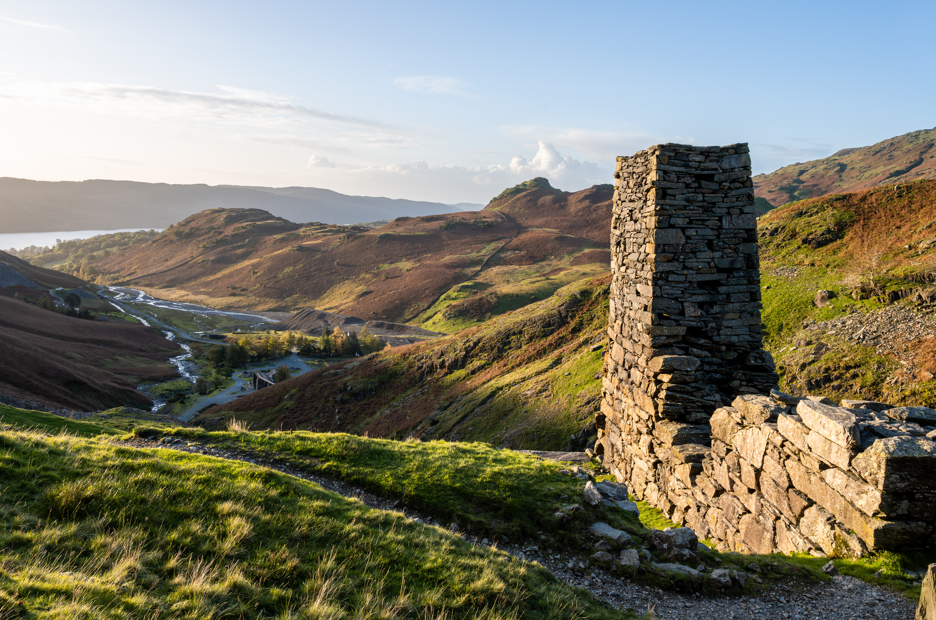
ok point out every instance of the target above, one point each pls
(187, 369)
(139, 297)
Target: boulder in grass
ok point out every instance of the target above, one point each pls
(612, 490)
(721, 578)
(630, 558)
(821, 300)
(591, 494)
(680, 569)
(606, 531)
(679, 544)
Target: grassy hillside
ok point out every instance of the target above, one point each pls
(526, 379)
(69, 255)
(443, 271)
(105, 531)
(876, 252)
(105, 528)
(890, 162)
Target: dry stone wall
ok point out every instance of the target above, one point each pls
(690, 417)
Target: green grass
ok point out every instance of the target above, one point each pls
(117, 421)
(50, 423)
(483, 489)
(95, 530)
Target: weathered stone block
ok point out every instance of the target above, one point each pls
(861, 494)
(793, 430)
(724, 426)
(756, 409)
(817, 525)
(690, 453)
(834, 423)
(674, 433)
(751, 443)
(870, 405)
(926, 609)
(920, 415)
(828, 451)
(673, 363)
(899, 464)
(757, 532)
(749, 475)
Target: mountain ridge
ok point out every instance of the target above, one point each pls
(99, 204)
(896, 160)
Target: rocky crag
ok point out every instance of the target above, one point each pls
(767, 473)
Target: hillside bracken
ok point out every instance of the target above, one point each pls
(527, 379)
(875, 254)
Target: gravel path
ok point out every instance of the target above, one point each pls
(843, 598)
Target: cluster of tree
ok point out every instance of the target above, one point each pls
(71, 308)
(211, 378)
(340, 343)
(281, 374)
(335, 344)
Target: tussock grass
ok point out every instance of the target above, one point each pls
(90, 529)
(237, 426)
(481, 488)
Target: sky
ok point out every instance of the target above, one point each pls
(441, 101)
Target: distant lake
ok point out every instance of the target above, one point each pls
(19, 241)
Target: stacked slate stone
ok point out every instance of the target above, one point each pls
(685, 332)
(685, 342)
(792, 475)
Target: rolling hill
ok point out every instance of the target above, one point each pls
(41, 206)
(441, 271)
(527, 378)
(890, 162)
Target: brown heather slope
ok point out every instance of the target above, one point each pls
(62, 361)
(893, 161)
(522, 247)
(526, 379)
(875, 252)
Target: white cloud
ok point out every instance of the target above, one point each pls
(317, 161)
(604, 146)
(452, 183)
(7, 74)
(434, 84)
(20, 22)
(236, 106)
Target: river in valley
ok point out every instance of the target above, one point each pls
(132, 295)
(188, 370)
